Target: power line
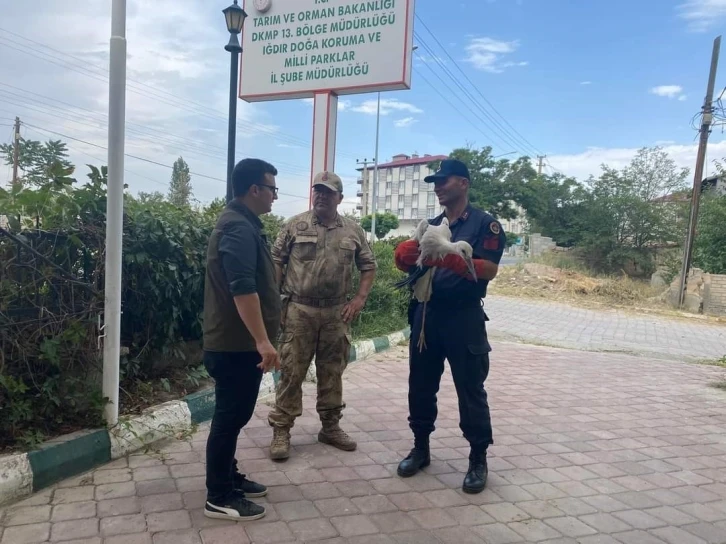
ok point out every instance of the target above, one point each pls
(104, 160)
(143, 159)
(157, 94)
(191, 146)
(475, 87)
(501, 133)
(465, 104)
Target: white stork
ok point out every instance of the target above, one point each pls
(435, 243)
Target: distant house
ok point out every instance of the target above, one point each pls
(715, 183)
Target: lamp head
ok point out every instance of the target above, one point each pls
(235, 17)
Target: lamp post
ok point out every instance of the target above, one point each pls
(375, 164)
(235, 17)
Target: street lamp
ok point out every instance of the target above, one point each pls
(235, 17)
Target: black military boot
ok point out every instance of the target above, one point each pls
(420, 457)
(476, 476)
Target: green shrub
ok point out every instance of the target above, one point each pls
(51, 297)
(386, 309)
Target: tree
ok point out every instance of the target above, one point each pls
(155, 197)
(624, 217)
(180, 186)
(709, 251)
(272, 224)
(554, 206)
(496, 185)
(37, 160)
(512, 238)
(385, 223)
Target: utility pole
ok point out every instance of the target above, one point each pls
(364, 178)
(16, 151)
(539, 166)
(375, 172)
(706, 120)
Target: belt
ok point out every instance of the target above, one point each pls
(319, 302)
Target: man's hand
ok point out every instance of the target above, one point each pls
(353, 309)
(270, 357)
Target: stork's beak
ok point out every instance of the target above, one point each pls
(470, 266)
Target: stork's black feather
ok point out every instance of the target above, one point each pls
(412, 278)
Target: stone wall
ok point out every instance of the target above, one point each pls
(705, 293)
(714, 295)
(538, 244)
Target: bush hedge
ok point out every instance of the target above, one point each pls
(51, 302)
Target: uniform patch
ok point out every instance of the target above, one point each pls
(491, 244)
(494, 227)
(302, 225)
(325, 176)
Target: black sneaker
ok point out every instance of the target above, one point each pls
(235, 508)
(251, 489)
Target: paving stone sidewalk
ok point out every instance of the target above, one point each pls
(562, 325)
(590, 448)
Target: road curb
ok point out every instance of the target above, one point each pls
(66, 456)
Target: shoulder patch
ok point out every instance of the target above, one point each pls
(302, 225)
(494, 227)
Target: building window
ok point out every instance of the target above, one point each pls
(389, 187)
(414, 201)
(431, 212)
(388, 203)
(417, 172)
(414, 213)
(415, 187)
(431, 199)
(401, 187)
(400, 213)
(401, 173)
(389, 174)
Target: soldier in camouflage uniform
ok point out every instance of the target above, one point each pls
(314, 256)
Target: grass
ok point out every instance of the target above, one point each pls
(714, 362)
(562, 277)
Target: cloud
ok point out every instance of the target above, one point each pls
(429, 59)
(175, 49)
(388, 105)
(486, 54)
(585, 82)
(405, 122)
(669, 91)
(703, 15)
(582, 165)
(342, 104)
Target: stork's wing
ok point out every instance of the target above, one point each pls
(413, 276)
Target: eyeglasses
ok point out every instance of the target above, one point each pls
(270, 187)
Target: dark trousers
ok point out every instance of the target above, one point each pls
(237, 385)
(458, 335)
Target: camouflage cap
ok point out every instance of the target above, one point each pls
(330, 180)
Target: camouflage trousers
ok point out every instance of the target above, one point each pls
(308, 331)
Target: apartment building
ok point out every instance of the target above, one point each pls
(401, 191)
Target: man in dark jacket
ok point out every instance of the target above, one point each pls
(241, 322)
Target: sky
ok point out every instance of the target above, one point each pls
(584, 83)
